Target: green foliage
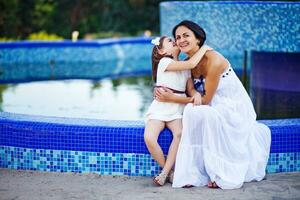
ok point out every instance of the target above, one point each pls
(42, 35)
(4, 39)
(20, 18)
(109, 34)
(8, 18)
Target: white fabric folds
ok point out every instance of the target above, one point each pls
(222, 142)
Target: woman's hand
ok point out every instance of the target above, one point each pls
(197, 99)
(163, 94)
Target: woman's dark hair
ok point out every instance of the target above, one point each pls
(156, 56)
(195, 28)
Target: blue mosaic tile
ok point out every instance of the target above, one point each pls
(237, 26)
(233, 27)
(76, 161)
(74, 52)
(109, 163)
(104, 136)
(96, 135)
(283, 162)
(65, 60)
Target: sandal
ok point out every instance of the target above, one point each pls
(171, 176)
(160, 179)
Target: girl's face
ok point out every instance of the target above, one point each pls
(169, 47)
(186, 40)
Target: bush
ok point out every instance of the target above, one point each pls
(109, 34)
(4, 39)
(43, 35)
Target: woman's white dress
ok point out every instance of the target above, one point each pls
(175, 80)
(222, 142)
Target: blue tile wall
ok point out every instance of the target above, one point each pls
(77, 161)
(28, 61)
(99, 136)
(110, 147)
(96, 136)
(109, 163)
(81, 51)
(283, 162)
(235, 26)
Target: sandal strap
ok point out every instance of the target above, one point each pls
(162, 175)
(161, 178)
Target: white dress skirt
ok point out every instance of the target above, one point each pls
(222, 142)
(165, 111)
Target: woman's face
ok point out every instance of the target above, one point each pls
(186, 40)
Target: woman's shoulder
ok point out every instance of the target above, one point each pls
(216, 62)
(215, 58)
(213, 54)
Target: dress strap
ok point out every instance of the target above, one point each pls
(227, 72)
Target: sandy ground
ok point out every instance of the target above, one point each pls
(31, 185)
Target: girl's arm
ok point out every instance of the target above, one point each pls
(188, 64)
(166, 95)
(216, 66)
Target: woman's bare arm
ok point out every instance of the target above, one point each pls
(188, 64)
(215, 66)
(190, 89)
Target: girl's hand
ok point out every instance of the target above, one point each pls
(197, 99)
(163, 94)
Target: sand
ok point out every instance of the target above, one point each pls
(34, 185)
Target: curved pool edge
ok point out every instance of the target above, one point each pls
(110, 147)
(79, 43)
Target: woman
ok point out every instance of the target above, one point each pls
(221, 145)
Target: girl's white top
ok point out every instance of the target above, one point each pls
(176, 80)
(171, 79)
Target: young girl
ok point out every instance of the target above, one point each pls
(168, 73)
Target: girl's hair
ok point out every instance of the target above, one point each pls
(195, 28)
(156, 56)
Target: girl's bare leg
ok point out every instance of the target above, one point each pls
(176, 127)
(152, 131)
